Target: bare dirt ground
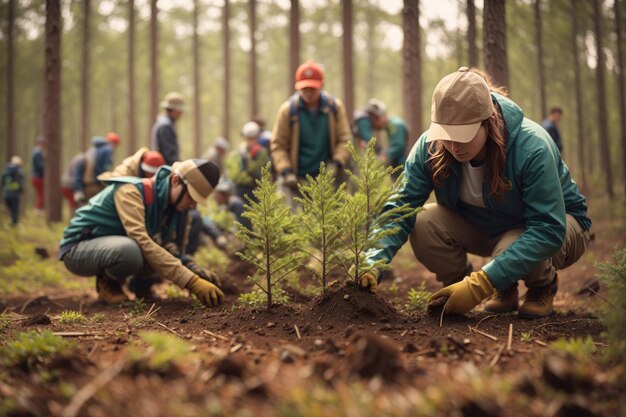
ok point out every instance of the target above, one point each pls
(345, 353)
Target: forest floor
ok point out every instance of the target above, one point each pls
(347, 353)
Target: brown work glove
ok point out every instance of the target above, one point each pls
(203, 273)
(465, 295)
(206, 292)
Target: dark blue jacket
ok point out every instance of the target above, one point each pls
(98, 159)
(38, 162)
(12, 181)
(553, 130)
(164, 139)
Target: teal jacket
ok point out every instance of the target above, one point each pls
(541, 193)
(100, 218)
(397, 135)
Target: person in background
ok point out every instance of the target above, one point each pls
(310, 128)
(164, 137)
(217, 152)
(134, 225)
(551, 123)
(252, 158)
(37, 172)
(143, 164)
(227, 200)
(502, 191)
(67, 180)
(372, 119)
(97, 160)
(13, 187)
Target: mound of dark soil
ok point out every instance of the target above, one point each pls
(348, 303)
(369, 355)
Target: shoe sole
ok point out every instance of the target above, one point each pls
(488, 310)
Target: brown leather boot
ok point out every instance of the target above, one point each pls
(503, 301)
(538, 301)
(109, 290)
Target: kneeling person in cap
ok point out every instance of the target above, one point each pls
(122, 230)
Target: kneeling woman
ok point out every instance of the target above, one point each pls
(502, 191)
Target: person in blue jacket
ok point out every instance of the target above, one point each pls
(502, 191)
(13, 187)
(373, 118)
(551, 123)
(97, 160)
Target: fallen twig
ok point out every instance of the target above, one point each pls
(217, 336)
(93, 350)
(601, 296)
(295, 326)
(485, 318)
(487, 335)
(91, 389)
(510, 341)
(168, 329)
(236, 348)
(540, 343)
(29, 301)
(73, 334)
(497, 357)
(554, 323)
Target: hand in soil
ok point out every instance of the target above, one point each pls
(206, 292)
(465, 295)
(369, 281)
(436, 306)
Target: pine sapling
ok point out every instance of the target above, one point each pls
(321, 202)
(272, 245)
(370, 214)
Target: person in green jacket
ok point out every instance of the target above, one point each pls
(373, 118)
(502, 191)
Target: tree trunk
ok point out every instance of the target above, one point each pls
(294, 42)
(579, 100)
(85, 76)
(471, 34)
(621, 88)
(539, 46)
(154, 67)
(254, 85)
(197, 114)
(494, 44)
(348, 68)
(602, 119)
(371, 51)
(132, 132)
(52, 110)
(226, 51)
(412, 71)
(10, 110)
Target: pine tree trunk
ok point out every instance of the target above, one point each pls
(132, 130)
(85, 76)
(348, 67)
(602, 115)
(197, 121)
(412, 71)
(494, 44)
(621, 88)
(226, 55)
(154, 67)
(540, 69)
(294, 43)
(471, 34)
(10, 110)
(579, 100)
(52, 110)
(371, 51)
(254, 84)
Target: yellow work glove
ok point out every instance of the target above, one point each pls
(206, 292)
(465, 295)
(203, 273)
(367, 280)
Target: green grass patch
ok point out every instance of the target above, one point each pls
(33, 348)
(418, 299)
(71, 317)
(164, 351)
(578, 347)
(258, 299)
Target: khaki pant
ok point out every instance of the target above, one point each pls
(442, 239)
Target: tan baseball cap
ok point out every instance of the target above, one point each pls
(173, 101)
(461, 101)
(200, 175)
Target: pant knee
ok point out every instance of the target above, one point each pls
(129, 256)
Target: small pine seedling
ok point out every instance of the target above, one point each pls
(71, 317)
(258, 298)
(272, 246)
(321, 202)
(164, 351)
(613, 275)
(526, 337)
(371, 213)
(418, 298)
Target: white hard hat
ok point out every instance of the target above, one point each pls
(251, 130)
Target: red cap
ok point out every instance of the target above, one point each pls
(113, 138)
(309, 75)
(151, 161)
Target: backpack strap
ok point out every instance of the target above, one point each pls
(330, 102)
(293, 109)
(148, 190)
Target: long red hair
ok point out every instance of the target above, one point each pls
(441, 160)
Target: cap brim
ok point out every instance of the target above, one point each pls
(196, 196)
(317, 84)
(148, 168)
(454, 133)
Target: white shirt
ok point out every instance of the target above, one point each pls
(472, 185)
